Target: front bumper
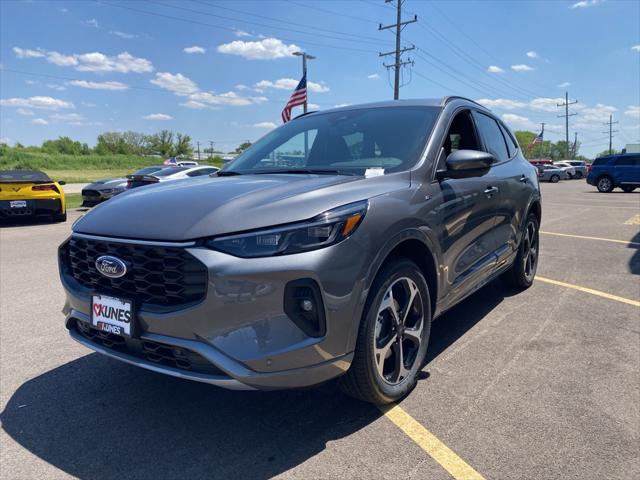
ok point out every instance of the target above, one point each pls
(241, 327)
(93, 199)
(34, 207)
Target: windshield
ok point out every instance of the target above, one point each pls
(23, 176)
(349, 142)
(170, 171)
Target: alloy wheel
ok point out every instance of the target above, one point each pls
(530, 251)
(604, 184)
(398, 331)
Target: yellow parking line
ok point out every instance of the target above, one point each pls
(609, 296)
(447, 458)
(635, 220)
(624, 242)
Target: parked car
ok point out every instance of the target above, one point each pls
(269, 277)
(31, 193)
(101, 190)
(551, 173)
(167, 174)
(579, 166)
(623, 170)
(540, 161)
(567, 168)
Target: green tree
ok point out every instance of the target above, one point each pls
(242, 147)
(162, 143)
(183, 146)
(606, 152)
(63, 145)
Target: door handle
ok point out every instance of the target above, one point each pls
(524, 179)
(490, 190)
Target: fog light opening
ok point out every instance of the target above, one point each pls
(303, 305)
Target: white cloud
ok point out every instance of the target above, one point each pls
(88, 104)
(502, 103)
(242, 33)
(24, 111)
(269, 125)
(67, 117)
(494, 69)
(27, 53)
(125, 35)
(228, 98)
(545, 104)
(193, 104)
(521, 68)
(564, 85)
(36, 102)
(516, 119)
(266, 49)
(39, 121)
(53, 86)
(532, 54)
(194, 49)
(341, 105)
(158, 116)
(596, 115)
(98, 85)
(313, 106)
(633, 111)
(242, 87)
(289, 84)
(636, 48)
(587, 3)
(92, 23)
(91, 62)
(178, 83)
(31, 82)
(373, 76)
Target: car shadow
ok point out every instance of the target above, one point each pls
(634, 261)
(19, 222)
(96, 418)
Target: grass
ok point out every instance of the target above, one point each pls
(74, 200)
(80, 168)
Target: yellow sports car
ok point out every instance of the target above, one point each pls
(31, 193)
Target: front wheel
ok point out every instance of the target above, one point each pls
(523, 270)
(393, 336)
(554, 179)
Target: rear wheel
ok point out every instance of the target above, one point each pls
(393, 336)
(554, 179)
(605, 184)
(523, 270)
(628, 189)
(62, 217)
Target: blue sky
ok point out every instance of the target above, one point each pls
(222, 70)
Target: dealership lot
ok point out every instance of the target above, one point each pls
(542, 384)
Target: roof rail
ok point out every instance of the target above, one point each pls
(303, 114)
(448, 99)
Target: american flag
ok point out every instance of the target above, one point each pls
(297, 98)
(171, 161)
(539, 138)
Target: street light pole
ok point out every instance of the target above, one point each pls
(305, 56)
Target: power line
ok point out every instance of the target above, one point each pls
(566, 118)
(399, 26)
(611, 123)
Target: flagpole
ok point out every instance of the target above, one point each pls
(305, 56)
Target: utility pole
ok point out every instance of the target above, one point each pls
(566, 118)
(611, 123)
(211, 142)
(399, 26)
(305, 56)
(198, 142)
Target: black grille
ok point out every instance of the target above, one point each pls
(156, 276)
(90, 193)
(155, 352)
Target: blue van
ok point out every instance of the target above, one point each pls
(613, 171)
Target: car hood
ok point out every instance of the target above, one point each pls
(106, 183)
(178, 211)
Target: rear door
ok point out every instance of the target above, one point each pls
(627, 170)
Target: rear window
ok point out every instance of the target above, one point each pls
(601, 161)
(170, 171)
(147, 170)
(628, 160)
(23, 176)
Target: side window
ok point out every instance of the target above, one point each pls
(512, 146)
(461, 136)
(628, 160)
(195, 173)
(492, 136)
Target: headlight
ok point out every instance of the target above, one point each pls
(326, 229)
(108, 190)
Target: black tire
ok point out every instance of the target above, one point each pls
(628, 189)
(521, 274)
(554, 179)
(363, 380)
(62, 217)
(605, 184)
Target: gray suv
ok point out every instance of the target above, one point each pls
(325, 250)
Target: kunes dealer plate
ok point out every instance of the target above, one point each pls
(112, 315)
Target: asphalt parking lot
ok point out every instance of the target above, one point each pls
(541, 384)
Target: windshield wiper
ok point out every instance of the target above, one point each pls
(303, 171)
(227, 173)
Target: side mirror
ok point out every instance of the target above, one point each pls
(61, 182)
(466, 163)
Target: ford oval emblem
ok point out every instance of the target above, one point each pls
(111, 267)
